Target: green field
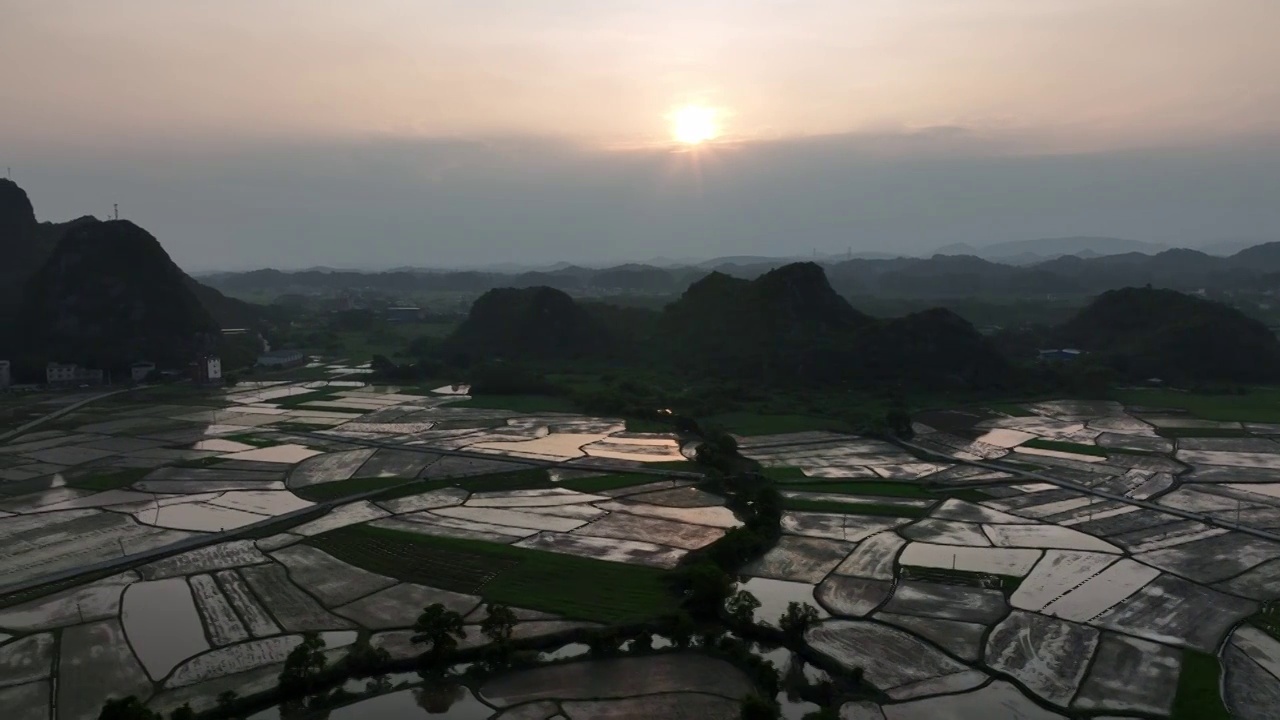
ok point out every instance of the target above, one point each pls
(827, 506)
(571, 586)
(1198, 696)
(1260, 404)
(882, 488)
(607, 482)
(347, 488)
(109, 480)
(1175, 433)
(1070, 447)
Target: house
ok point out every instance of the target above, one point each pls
(140, 371)
(207, 369)
(5, 378)
(404, 314)
(71, 374)
(277, 359)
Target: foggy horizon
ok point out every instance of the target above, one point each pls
(445, 134)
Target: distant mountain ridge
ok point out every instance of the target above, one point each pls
(937, 277)
(1029, 252)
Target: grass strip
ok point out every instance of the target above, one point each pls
(1067, 447)
(345, 488)
(888, 488)
(902, 511)
(607, 482)
(1176, 433)
(109, 480)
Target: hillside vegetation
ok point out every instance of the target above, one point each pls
(1149, 333)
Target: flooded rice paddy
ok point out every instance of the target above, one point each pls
(987, 593)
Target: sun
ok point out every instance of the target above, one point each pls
(694, 124)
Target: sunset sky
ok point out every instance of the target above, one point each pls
(379, 133)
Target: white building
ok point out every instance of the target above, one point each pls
(57, 373)
(70, 373)
(282, 359)
(5, 379)
(141, 370)
(207, 369)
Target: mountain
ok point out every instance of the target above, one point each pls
(25, 243)
(1258, 258)
(790, 326)
(1026, 252)
(103, 293)
(944, 276)
(1144, 332)
(109, 295)
(538, 323)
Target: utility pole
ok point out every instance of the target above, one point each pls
(115, 211)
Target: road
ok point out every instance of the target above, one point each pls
(27, 427)
(1084, 489)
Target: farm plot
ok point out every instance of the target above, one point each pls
(947, 602)
(622, 526)
(566, 585)
(800, 559)
(96, 663)
(1131, 676)
(873, 558)
(1046, 655)
(891, 659)
(975, 705)
(1177, 612)
(292, 608)
(327, 578)
(962, 639)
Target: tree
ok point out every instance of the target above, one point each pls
(642, 642)
(797, 619)
(706, 586)
(226, 700)
(742, 607)
(304, 664)
(436, 695)
(499, 624)
(183, 713)
(755, 707)
(441, 628)
(129, 708)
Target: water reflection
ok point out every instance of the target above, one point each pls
(437, 700)
(565, 652)
(445, 697)
(775, 595)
